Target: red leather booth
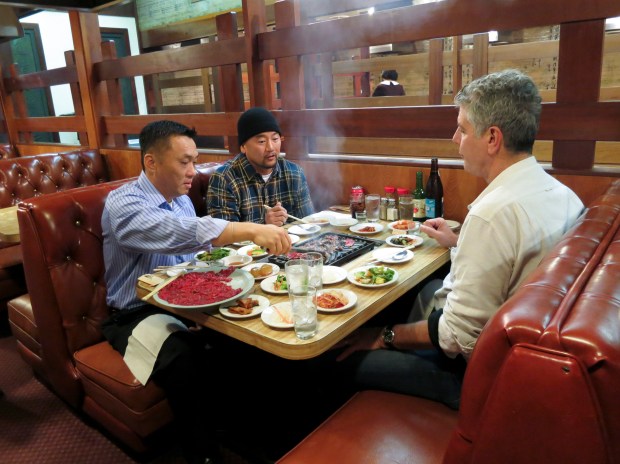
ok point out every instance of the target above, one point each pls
(541, 386)
(63, 263)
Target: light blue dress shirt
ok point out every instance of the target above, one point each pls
(141, 231)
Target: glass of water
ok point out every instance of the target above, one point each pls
(315, 269)
(372, 207)
(303, 307)
(296, 273)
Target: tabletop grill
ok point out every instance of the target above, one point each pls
(337, 249)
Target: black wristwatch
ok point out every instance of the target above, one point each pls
(388, 336)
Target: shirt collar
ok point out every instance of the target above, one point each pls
(153, 195)
(250, 172)
(513, 172)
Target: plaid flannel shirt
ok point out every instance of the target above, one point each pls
(238, 193)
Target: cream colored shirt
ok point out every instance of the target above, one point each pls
(510, 227)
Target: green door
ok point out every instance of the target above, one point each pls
(119, 37)
(29, 56)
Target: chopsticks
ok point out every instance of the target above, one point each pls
(289, 215)
(160, 286)
(178, 266)
(283, 318)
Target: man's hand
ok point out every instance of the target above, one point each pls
(276, 215)
(362, 339)
(438, 229)
(273, 238)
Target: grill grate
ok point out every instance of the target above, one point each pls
(337, 249)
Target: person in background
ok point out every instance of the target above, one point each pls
(389, 87)
(510, 226)
(258, 185)
(151, 222)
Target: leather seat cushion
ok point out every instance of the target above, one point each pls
(376, 426)
(23, 324)
(103, 366)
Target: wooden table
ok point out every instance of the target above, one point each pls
(9, 229)
(333, 327)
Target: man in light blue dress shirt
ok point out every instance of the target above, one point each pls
(151, 222)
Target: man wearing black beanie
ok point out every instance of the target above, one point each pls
(258, 185)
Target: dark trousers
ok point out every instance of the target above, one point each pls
(187, 370)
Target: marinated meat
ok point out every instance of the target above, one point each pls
(239, 310)
(336, 248)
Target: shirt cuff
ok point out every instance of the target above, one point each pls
(433, 328)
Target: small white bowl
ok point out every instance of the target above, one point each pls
(236, 260)
(343, 222)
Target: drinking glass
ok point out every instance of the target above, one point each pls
(303, 307)
(296, 273)
(405, 207)
(372, 207)
(315, 269)
(361, 216)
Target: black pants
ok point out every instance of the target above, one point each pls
(187, 370)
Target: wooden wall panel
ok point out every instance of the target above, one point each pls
(429, 21)
(330, 183)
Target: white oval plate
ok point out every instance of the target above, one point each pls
(244, 243)
(267, 285)
(453, 224)
(384, 254)
(263, 302)
(320, 219)
(294, 238)
(333, 274)
(342, 222)
(307, 229)
(239, 279)
(413, 226)
(244, 251)
(415, 240)
(348, 294)
(272, 315)
(235, 260)
(351, 277)
(274, 269)
(231, 251)
(358, 228)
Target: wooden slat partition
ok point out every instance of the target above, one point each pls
(442, 19)
(229, 51)
(36, 80)
(304, 52)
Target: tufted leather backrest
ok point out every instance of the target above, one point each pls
(63, 262)
(62, 248)
(542, 383)
(30, 176)
(7, 151)
(200, 185)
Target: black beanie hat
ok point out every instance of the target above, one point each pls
(256, 121)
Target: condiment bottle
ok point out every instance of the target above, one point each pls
(356, 200)
(389, 192)
(405, 204)
(434, 192)
(383, 206)
(419, 199)
(392, 210)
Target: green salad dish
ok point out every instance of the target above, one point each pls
(214, 254)
(374, 276)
